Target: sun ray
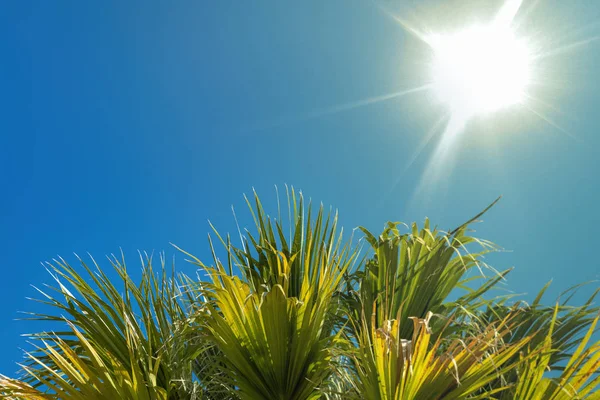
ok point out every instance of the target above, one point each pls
(569, 32)
(434, 176)
(551, 122)
(403, 24)
(426, 140)
(518, 19)
(566, 48)
(545, 104)
(367, 101)
(421, 146)
(507, 12)
(341, 108)
(454, 126)
(440, 162)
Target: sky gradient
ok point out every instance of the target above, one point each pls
(130, 124)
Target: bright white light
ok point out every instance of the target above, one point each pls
(480, 69)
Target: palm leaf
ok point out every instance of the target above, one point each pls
(391, 368)
(416, 272)
(131, 326)
(273, 324)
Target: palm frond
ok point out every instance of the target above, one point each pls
(273, 325)
(416, 272)
(130, 326)
(392, 368)
(579, 379)
(90, 373)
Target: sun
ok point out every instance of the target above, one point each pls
(480, 69)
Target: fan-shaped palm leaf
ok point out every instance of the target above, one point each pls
(273, 326)
(391, 368)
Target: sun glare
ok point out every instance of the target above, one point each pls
(480, 69)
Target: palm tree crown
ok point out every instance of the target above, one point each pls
(297, 311)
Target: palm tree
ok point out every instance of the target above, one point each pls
(297, 311)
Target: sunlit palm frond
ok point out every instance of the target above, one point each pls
(312, 241)
(414, 273)
(579, 379)
(113, 318)
(293, 314)
(91, 372)
(391, 368)
(273, 324)
(562, 325)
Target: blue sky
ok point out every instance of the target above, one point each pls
(130, 124)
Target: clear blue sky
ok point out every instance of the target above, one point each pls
(129, 124)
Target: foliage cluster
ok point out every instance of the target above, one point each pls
(296, 312)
